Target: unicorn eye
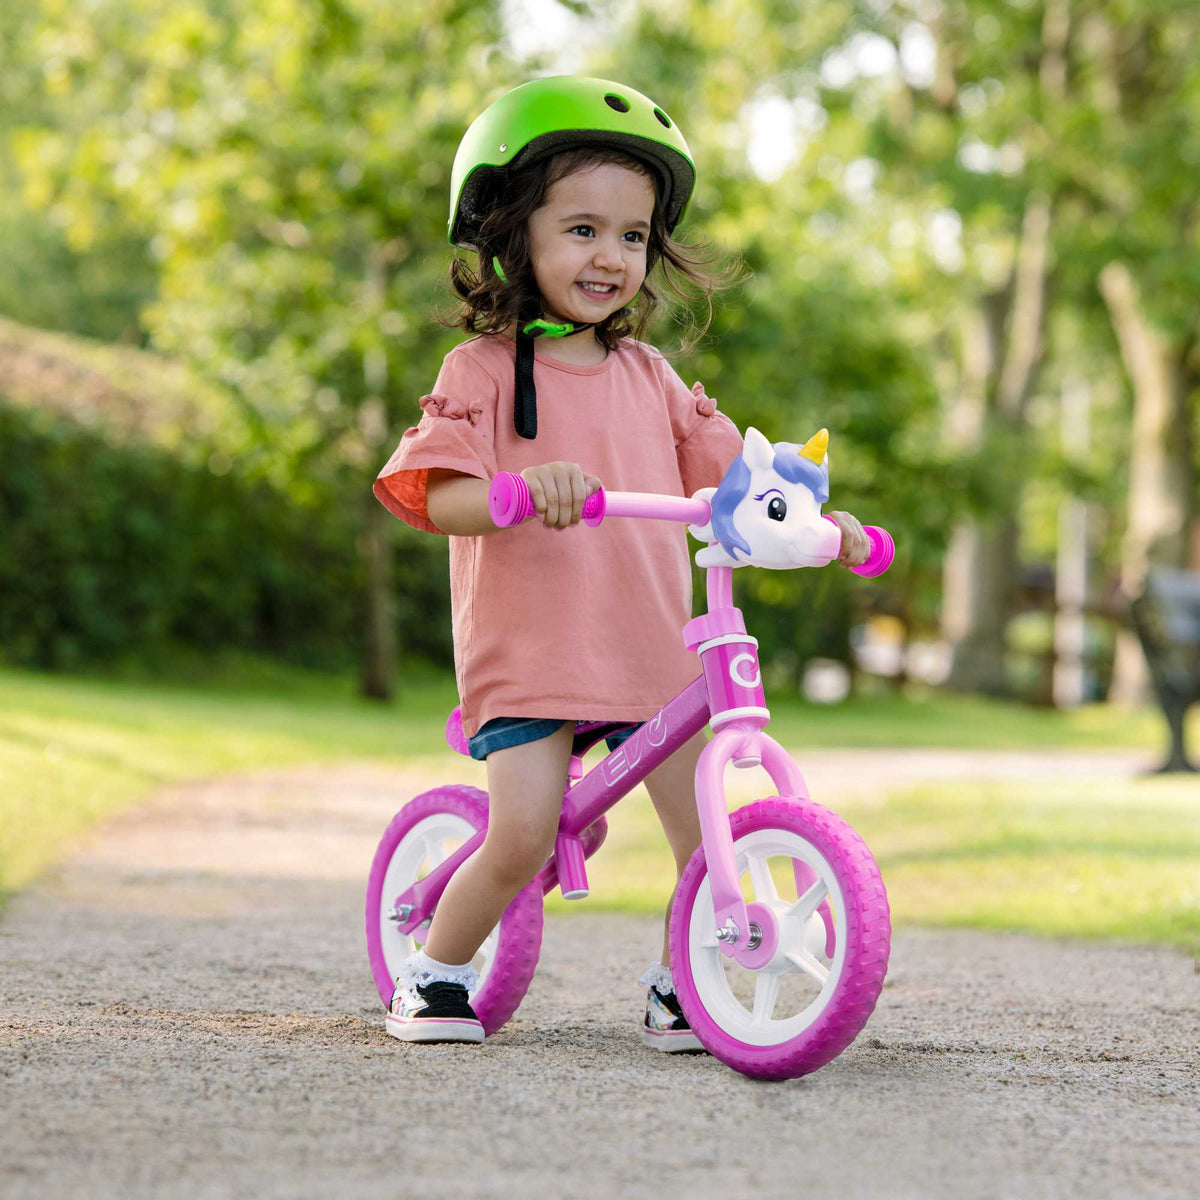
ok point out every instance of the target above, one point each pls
(777, 509)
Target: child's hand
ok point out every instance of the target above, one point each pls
(856, 546)
(558, 491)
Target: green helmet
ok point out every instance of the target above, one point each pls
(547, 115)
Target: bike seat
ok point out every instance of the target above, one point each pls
(588, 733)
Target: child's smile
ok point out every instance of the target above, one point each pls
(588, 242)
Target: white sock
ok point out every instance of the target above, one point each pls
(434, 965)
(660, 977)
(419, 968)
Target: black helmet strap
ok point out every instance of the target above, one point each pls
(525, 393)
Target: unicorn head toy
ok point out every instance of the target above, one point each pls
(767, 510)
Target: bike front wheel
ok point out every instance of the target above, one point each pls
(423, 834)
(806, 1005)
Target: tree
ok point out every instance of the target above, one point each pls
(814, 336)
(289, 163)
(45, 279)
(1145, 211)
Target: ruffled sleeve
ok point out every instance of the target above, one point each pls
(456, 433)
(706, 440)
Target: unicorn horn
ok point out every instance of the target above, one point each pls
(814, 449)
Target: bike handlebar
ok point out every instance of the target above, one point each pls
(510, 503)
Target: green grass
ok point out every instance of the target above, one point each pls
(75, 750)
(1118, 859)
(1114, 859)
(931, 719)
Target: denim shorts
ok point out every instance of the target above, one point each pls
(502, 732)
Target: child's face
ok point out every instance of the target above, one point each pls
(592, 228)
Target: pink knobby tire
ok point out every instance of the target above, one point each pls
(426, 831)
(811, 1000)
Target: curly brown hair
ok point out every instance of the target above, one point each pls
(489, 304)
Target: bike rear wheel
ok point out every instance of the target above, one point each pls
(424, 833)
(815, 995)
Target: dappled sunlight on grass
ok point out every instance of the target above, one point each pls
(1066, 895)
(50, 797)
(74, 750)
(1115, 856)
(925, 718)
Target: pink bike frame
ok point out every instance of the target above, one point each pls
(729, 697)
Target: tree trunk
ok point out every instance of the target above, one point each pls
(976, 572)
(1158, 507)
(964, 424)
(981, 564)
(1070, 574)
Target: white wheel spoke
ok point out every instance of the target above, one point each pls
(809, 965)
(775, 1004)
(760, 879)
(423, 848)
(766, 990)
(807, 904)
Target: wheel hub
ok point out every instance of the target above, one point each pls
(806, 934)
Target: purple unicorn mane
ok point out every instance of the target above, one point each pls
(788, 463)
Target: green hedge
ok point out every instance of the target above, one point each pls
(111, 549)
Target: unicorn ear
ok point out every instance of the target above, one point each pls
(757, 452)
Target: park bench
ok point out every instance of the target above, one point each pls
(1167, 619)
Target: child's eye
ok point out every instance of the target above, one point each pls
(587, 231)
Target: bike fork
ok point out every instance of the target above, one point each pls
(415, 904)
(745, 932)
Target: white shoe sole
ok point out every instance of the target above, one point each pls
(672, 1041)
(434, 1029)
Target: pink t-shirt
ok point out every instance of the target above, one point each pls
(583, 623)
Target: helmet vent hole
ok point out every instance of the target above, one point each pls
(617, 103)
(663, 119)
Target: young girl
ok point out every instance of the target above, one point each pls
(569, 190)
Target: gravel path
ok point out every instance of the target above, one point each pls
(187, 1012)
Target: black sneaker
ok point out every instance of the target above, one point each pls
(433, 1012)
(665, 1026)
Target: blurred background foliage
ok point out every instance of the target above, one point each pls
(973, 250)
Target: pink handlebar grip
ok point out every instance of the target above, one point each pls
(594, 508)
(883, 550)
(510, 503)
